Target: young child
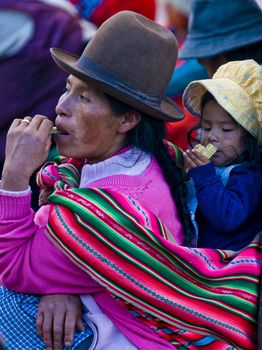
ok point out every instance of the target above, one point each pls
(228, 187)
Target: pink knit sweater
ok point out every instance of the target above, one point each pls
(30, 263)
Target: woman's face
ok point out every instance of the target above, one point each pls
(220, 129)
(90, 127)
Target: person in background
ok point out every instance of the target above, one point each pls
(228, 187)
(185, 71)
(98, 11)
(223, 31)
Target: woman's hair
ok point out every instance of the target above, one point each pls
(251, 153)
(148, 135)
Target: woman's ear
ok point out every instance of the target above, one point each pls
(128, 121)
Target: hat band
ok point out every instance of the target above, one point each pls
(91, 69)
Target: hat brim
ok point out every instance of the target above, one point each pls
(209, 47)
(206, 44)
(237, 103)
(167, 110)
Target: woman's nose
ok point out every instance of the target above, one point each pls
(63, 106)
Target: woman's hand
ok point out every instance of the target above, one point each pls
(27, 148)
(193, 158)
(58, 317)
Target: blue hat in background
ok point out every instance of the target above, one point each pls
(217, 26)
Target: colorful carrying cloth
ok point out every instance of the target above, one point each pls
(203, 298)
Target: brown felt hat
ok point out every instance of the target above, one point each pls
(132, 59)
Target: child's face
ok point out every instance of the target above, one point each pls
(221, 130)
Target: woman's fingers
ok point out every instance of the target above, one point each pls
(59, 318)
(79, 323)
(73, 319)
(70, 326)
(39, 323)
(27, 146)
(50, 327)
(47, 330)
(50, 324)
(15, 123)
(40, 123)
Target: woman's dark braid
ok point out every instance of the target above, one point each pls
(175, 179)
(148, 135)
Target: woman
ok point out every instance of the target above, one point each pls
(123, 142)
(115, 226)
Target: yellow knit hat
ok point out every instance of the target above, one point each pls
(237, 87)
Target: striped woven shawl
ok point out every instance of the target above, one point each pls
(204, 298)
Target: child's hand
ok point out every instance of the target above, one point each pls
(193, 158)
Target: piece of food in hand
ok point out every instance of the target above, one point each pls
(207, 151)
(199, 148)
(55, 131)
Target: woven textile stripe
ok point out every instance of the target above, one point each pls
(205, 291)
(63, 169)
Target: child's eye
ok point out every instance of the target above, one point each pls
(206, 129)
(227, 130)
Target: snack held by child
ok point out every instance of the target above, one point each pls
(207, 151)
(226, 190)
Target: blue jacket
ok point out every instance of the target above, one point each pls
(229, 210)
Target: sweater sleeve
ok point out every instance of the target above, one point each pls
(228, 206)
(29, 262)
